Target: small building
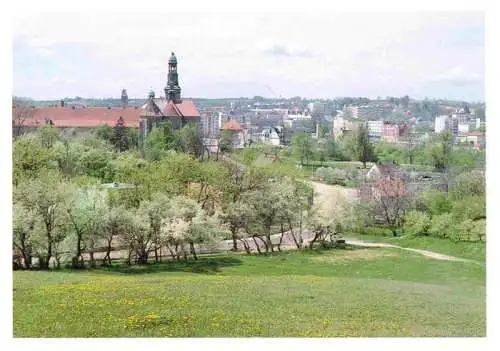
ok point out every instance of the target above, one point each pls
(271, 135)
(238, 134)
(393, 132)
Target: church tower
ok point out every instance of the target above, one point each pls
(172, 90)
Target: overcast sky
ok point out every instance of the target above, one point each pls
(317, 55)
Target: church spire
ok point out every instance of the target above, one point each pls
(172, 90)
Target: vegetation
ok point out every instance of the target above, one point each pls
(307, 293)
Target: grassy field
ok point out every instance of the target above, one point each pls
(352, 292)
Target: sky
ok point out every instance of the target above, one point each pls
(313, 55)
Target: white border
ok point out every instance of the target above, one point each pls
(255, 6)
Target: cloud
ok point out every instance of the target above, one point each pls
(281, 50)
(458, 76)
(62, 81)
(313, 54)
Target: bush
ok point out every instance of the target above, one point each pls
(417, 223)
(468, 184)
(470, 207)
(333, 176)
(434, 203)
(463, 231)
(358, 217)
(442, 225)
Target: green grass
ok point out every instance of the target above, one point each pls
(469, 250)
(362, 292)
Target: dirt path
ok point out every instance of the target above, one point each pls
(331, 197)
(426, 253)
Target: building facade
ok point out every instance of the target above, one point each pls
(172, 109)
(393, 132)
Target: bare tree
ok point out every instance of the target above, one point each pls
(21, 115)
(391, 196)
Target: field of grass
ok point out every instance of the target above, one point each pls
(352, 292)
(469, 250)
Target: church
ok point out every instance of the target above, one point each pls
(76, 119)
(171, 108)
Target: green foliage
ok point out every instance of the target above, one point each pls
(336, 176)
(190, 140)
(104, 132)
(302, 146)
(226, 141)
(389, 153)
(471, 183)
(441, 152)
(470, 207)
(334, 151)
(29, 158)
(434, 203)
(443, 225)
(417, 223)
(359, 146)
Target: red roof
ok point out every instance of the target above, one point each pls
(183, 108)
(84, 117)
(232, 125)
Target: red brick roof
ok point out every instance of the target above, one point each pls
(84, 117)
(232, 125)
(94, 116)
(184, 108)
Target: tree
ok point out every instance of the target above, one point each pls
(87, 210)
(391, 197)
(190, 140)
(22, 115)
(226, 141)
(417, 223)
(104, 132)
(441, 151)
(48, 135)
(411, 144)
(45, 197)
(29, 159)
(472, 183)
(302, 146)
(360, 146)
(23, 225)
(120, 138)
(116, 222)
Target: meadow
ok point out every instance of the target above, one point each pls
(351, 292)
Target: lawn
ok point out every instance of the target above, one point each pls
(352, 292)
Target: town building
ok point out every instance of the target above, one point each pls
(239, 137)
(78, 118)
(172, 109)
(446, 123)
(374, 129)
(393, 132)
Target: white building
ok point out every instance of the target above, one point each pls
(463, 127)
(270, 135)
(317, 108)
(440, 124)
(375, 128)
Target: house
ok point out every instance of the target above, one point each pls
(238, 134)
(383, 180)
(271, 135)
